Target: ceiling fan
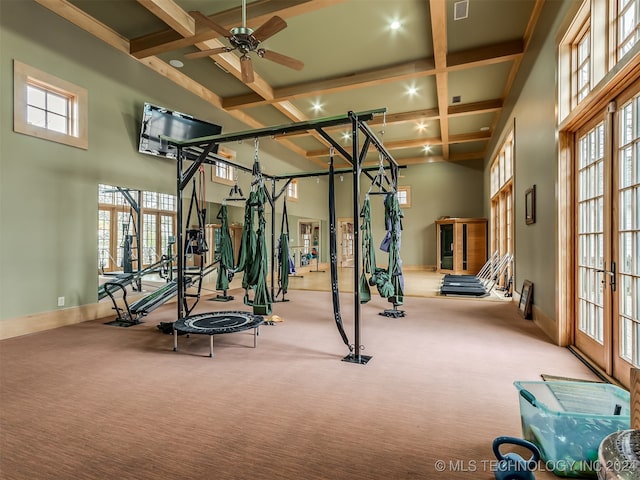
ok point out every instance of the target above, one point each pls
(245, 40)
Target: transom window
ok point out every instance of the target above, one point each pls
(502, 199)
(292, 190)
(583, 66)
(404, 196)
(502, 168)
(627, 25)
(48, 107)
(224, 172)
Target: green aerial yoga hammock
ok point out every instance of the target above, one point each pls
(381, 278)
(225, 263)
(283, 252)
(252, 259)
(393, 222)
(368, 252)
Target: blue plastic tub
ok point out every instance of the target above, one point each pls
(569, 420)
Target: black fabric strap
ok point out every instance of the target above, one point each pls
(333, 251)
(284, 226)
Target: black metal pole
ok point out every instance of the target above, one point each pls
(139, 239)
(273, 229)
(355, 356)
(356, 231)
(179, 236)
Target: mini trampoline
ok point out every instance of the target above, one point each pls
(217, 323)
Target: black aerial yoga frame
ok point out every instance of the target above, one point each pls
(204, 148)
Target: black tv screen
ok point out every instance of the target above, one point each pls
(159, 121)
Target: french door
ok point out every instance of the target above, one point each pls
(607, 188)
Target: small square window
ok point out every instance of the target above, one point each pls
(404, 196)
(48, 107)
(224, 172)
(292, 190)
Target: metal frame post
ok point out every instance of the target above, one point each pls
(355, 355)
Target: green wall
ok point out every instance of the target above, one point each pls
(532, 111)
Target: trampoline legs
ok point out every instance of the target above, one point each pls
(211, 347)
(175, 340)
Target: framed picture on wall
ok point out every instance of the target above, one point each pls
(526, 298)
(530, 205)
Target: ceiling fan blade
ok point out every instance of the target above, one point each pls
(269, 28)
(282, 59)
(200, 17)
(246, 68)
(207, 53)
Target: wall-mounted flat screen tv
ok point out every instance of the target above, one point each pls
(159, 121)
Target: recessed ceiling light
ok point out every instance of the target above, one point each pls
(176, 63)
(421, 126)
(346, 136)
(426, 148)
(395, 25)
(316, 106)
(484, 129)
(412, 91)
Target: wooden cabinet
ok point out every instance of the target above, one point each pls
(462, 245)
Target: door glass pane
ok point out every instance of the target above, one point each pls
(166, 231)
(149, 237)
(590, 230)
(104, 239)
(446, 247)
(125, 229)
(629, 231)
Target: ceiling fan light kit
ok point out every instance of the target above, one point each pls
(246, 40)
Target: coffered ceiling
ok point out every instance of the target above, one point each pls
(442, 80)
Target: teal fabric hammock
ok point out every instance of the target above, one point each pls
(226, 260)
(252, 258)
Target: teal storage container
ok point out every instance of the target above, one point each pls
(569, 420)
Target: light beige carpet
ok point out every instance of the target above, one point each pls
(96, 402)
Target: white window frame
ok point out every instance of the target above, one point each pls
(623, 45)
(223, 172)
(292, 190)
(582, 66)
(25, 75)
(406, 189)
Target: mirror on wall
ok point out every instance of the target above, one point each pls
(307, 249)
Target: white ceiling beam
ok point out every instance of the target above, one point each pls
(438, 10)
